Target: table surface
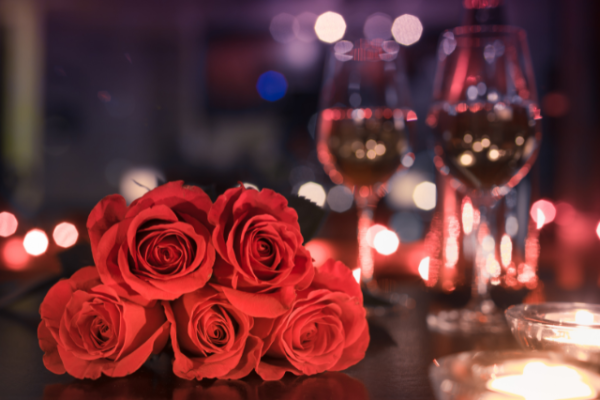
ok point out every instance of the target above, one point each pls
(395, 367)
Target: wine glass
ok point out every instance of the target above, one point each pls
(486, 124)
(363, 128)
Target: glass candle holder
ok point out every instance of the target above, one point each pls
(572, 329)
(508, 375)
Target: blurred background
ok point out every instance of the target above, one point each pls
(99, 95)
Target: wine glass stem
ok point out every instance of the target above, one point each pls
(481, 299)
(365, 253)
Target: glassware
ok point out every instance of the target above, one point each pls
(363, 128)
(572, 329)
(510, 375)
(486, 123)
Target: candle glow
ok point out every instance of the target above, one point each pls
(540, 381)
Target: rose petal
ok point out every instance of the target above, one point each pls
(354, 353)
(48, 344)
(108, 212)
(335, 276)
(266, 305)
(190, 200)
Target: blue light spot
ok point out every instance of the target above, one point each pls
(271, 86)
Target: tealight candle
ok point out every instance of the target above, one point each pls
(540, 381)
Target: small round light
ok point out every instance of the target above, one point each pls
(14, 254)
(8, 224)
(330, 27)
(386, 242)
(407, 29)
(314, 192)
(424, 196)
(271, 86)
(35, 242)
(65, 234)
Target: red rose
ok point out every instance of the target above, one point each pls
(326, 329)
(157, 248)
(88, 330)
(258, 238)
(210, 337)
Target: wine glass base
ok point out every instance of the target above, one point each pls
(468, 321)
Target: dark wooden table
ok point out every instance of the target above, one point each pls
(395, 367)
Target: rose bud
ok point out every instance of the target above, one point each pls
(258, 239)
(210, 337)
(87, 330)
(326, 329)
(157, 248)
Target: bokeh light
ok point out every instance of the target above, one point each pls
(505, 250)
(65, 234)
(314, 192)
(284, 27)
(372, 231)
(401, 187)
(330, 27)
(386, 242)
(511, 226)
(598, 230)
(467, 216)
(136, 182)
(8, 224)
(424, 195)
(271, 86)
(407, 29)
(424, 268)
(378, 26)
(340, 198)
(545, 209)
(14, 254)
(319, 250)
(35, 242)
(356, 274)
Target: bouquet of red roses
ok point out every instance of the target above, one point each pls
(230, 284)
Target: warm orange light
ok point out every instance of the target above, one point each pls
(467, 216)
(8, 224)
(424, 268)
(35, 242)
(548, 211)
(386, 242)
(598, 230)
(506, 250)
(65, 234)
(14, 254)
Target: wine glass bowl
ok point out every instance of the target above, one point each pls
(364, 126)
(485, 117)
(486, 127)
